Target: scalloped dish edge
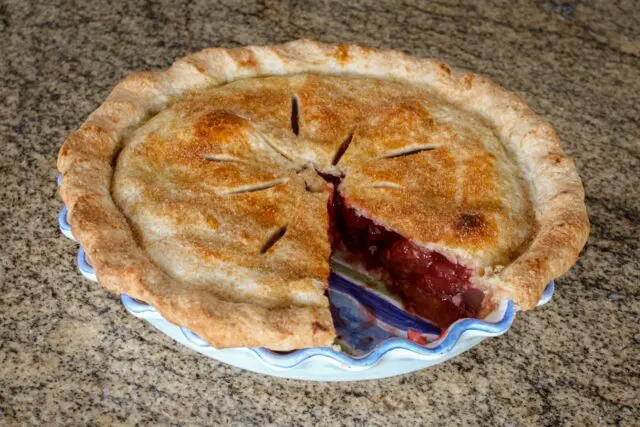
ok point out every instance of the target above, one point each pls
(497, 323)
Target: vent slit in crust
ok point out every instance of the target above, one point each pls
(273, 239)
(408, 151)
(386, 185)
(274, 146)
(222, 158)
(254, 188)
(295, 119)
(342, 149)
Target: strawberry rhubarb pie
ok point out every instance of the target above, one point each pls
(217, 190)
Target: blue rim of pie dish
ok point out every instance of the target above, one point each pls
(385, 312)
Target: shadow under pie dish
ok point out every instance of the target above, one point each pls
(216, 191)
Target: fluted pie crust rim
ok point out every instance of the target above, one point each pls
(88, 156)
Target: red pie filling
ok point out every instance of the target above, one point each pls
(429, 284)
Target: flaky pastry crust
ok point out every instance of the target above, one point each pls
(512, 202)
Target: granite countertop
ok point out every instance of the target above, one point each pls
(69, 353)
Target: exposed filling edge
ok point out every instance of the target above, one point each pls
(428, 283)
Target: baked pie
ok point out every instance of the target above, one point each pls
(217, 190)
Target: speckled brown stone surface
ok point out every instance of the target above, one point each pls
(69, 353)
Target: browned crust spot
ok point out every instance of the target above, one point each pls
(470, 223)
(445, 68)
(342, 54)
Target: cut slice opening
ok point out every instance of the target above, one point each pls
(428, 283)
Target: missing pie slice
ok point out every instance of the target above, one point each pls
(217, 190)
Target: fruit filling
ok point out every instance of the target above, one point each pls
(428, 283)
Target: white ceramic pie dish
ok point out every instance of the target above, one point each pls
(374, 334)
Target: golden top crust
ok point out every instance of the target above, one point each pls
(226, 223)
